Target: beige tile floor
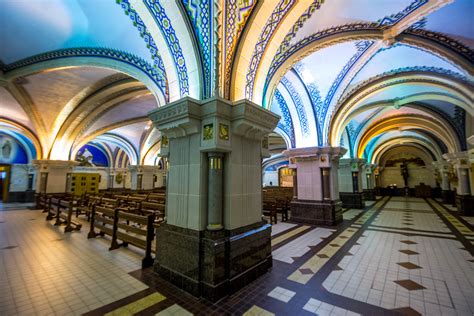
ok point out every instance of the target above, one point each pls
(49, 272)
(445, 272)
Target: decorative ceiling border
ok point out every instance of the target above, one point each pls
(200, 14)
(288, 126)
(305, 129)
(149, 41)
(236, 14)
(280, 11)
(107, 53)
(172, 41)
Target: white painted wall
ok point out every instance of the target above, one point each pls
(270, 176)
(19, 178)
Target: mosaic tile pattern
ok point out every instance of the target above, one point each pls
(359, 267)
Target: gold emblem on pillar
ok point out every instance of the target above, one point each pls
(164, 141)
(208, 132)
(265, 143)
(223, 131)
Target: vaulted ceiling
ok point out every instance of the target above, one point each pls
(360, 74)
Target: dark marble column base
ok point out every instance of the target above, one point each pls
(369, 194)
(465, 204)
(21, 197)
(352, 200)
(327, 213)
(447, 196)
(213, 265)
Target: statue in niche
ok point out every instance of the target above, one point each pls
(6, 150)
(85, 158)
(404, 172)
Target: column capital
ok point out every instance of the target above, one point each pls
(470, 140)
(326, 155)
(216, 120)
(355, 163)
(459, 159)
(142, 168)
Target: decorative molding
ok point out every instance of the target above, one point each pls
(236, 13)
(303, 120)
(201, 16)
(150, 42)
(94, 52)
(315, 98)
(393, 19)
(278, 14)
(407, 70)
(159, 14)
(288, 126)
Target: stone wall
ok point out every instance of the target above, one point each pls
(417, 175)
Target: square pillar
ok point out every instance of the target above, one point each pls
(316, 191)
(350, 183)
(368, 181)
(142, 177)
(52, 176)
(442, 170)
(214, 241)
(462, 166)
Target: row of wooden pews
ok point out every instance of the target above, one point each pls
(276, 200)
(127, 217)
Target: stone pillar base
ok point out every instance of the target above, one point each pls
(352, 200)
(464, 203)
(447, 196)
(369, 194)
(327, 213)
(210, 264)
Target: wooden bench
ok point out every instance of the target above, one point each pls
(155, 209)
(105, 220)
(129, 230)
(61, 209)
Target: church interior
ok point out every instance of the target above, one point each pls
(237, 157)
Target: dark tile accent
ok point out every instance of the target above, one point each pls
(306, 271)
(409, 265)
(406, 311)
(408, 242)
(348, 254)
(322, 256)
(409, 252)
(410, 285)
(338, 268)
(334, 245)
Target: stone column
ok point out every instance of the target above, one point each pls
(350, 183)
(52, 175)
(443, 171)
(368, 181)
(214, 185)
(193, 251)
(464, 199)
(317, 192)
(142, 177)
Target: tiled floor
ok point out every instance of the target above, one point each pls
(399, 256)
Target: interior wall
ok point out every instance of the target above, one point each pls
(419, 165)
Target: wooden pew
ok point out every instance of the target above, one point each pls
(105, 220)
(61, 209)
(127, 232)
(155, 209)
